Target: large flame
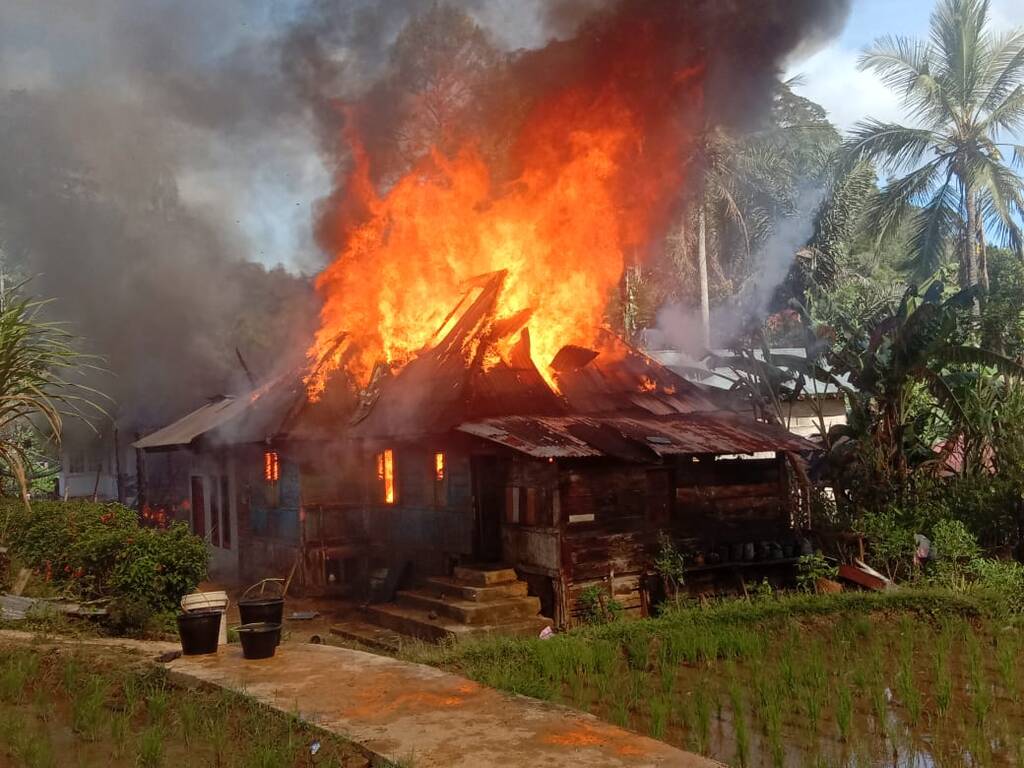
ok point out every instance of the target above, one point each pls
(598, 167)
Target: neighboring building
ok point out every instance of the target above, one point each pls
(461, 458)
(819, 403)
(99, 467)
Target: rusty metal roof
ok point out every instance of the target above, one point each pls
(636, 437)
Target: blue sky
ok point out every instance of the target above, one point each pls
(831, 75)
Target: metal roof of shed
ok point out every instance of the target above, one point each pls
(636, 437)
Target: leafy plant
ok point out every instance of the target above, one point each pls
(596, 606)
(93, 550)
(811, 569)
(670, 565)
(40, 383)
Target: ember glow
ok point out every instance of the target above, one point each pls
(596, 170)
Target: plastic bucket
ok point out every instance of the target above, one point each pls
(259, 640)
(198, 631)
(261, 608)
(209, 601)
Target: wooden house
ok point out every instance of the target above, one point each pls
(464, 458)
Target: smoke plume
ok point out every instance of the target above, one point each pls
(155, 156)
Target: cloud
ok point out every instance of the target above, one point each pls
(1008, 13)
(832, 79)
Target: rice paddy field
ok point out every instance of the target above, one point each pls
(908, 679)
(114, 710)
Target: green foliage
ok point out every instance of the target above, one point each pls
(93, 550)
(596, 606)
(39, 368)
(812, 568)
(891, 542)
(670, 564)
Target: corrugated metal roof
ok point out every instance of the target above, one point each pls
(211, 416)
(636, 437)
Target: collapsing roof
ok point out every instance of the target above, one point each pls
(610, 401)
(635, 438)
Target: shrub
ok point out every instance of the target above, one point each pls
(811, 569)
(100, 550)
(891, 543)
(1002, 579)
(597, 607)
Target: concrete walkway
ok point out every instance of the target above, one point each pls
(424, 716)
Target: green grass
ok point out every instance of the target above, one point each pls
(849, 679)
(100, 710)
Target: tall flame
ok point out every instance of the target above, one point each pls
(598, 167)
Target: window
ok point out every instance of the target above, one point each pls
(271, 466)
(198, 507)
(76, 463)
(440, 480)
(225, 512)
(214, 512)
(271, 477)
(386, 476)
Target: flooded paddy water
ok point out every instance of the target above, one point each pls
(850, 690)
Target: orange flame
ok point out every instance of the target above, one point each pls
(598, 166)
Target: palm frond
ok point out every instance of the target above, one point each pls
(933, 229)
(896, 147)
(1006, 69)
(905, 66)
(958, 34)
(966, 355)
(1007, 116)
(1001, 193)
(901, 198)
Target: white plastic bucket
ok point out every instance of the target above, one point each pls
(209, 601)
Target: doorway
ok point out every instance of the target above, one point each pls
(488, 503)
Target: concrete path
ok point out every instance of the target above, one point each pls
(424, 716)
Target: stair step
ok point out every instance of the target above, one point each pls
(370, 635)
(417, 623)
(457, 589)
(471, 611)
(485, 576)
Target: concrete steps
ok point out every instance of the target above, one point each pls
(427, 625)
(462, 591)
(369, 635)
(485, 575)
(475, 601)
(493, 611)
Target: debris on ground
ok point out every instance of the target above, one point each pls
(863, 575)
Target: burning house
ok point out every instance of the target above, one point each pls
(466, 417)
(459, 460)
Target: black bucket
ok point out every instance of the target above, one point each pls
(259, 640)
(199, 631)
(261, 610)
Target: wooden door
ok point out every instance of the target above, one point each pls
(488, 502)
(198, 507)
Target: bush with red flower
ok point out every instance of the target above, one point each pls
(92, 550)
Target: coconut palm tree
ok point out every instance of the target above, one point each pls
(954, 165)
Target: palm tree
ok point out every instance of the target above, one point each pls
(955, 165)
(40, 384)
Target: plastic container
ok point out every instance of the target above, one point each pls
(209, 601)
(198, 631)
(262, 608)
(259, 640)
